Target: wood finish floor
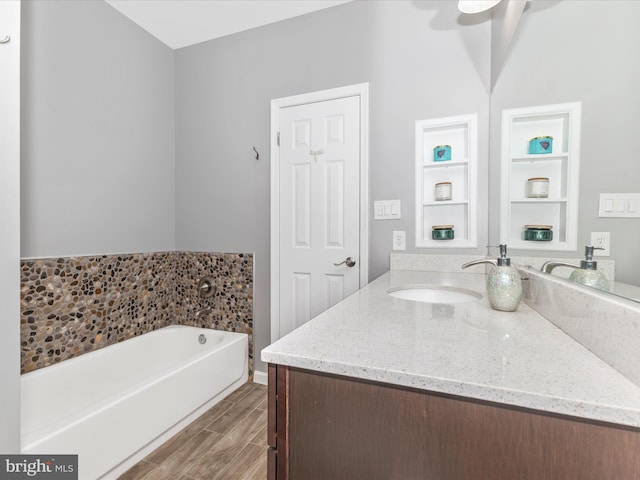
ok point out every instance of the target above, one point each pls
(228, 442)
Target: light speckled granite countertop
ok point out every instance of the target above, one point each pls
(467, 349)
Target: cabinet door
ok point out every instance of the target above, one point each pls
(345, 429)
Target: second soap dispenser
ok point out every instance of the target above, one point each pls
(504, 284)
(588, 273)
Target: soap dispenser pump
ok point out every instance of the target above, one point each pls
(504, 284)
(588, 273)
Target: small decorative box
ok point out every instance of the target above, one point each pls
(538, 233)
(538, 187)
(442, 153)
(539, 145)
(442, 232)
(443, 191)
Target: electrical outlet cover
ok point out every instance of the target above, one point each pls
(399, 240)
(601, 242)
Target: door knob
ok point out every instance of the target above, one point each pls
(349, 261)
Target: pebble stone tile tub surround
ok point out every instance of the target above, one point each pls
(74, 305)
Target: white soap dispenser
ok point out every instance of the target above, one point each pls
(588, 273)
(504, 284)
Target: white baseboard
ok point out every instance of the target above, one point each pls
(260, 377)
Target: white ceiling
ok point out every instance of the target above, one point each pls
(179, 23)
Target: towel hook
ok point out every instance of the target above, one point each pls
(257, 154)
(5, 39)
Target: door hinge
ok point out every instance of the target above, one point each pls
(278, 138)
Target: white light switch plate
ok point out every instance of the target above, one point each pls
(386, 210)
(619, 205)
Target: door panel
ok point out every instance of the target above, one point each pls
(334, 129)
(334, 289)
(301, 298)
(334, 196)
(319, 177)
(302, 206)
(302, 133)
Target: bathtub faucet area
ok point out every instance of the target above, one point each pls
(204, 311)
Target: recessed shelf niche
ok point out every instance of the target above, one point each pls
(461, 133)
(560, 166)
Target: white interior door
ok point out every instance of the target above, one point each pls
(319, 207)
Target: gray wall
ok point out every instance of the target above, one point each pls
(582, 51)
(97, 132)
(505, 18)
(419, 64)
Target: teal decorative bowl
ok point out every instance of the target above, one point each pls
(539, 145)
(442, 153)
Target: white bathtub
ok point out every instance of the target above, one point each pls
(115, 405)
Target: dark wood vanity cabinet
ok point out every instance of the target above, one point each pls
(326, 427)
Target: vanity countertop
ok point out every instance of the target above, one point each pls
(467, 349)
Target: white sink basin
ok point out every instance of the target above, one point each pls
(434, 294)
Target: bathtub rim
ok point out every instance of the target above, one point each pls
(71, 361)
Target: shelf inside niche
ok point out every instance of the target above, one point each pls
(444, 202)
(539, 200)
(446, 214)
(554, 170)
(526, 127)
(540, 157)
(455, 135)
(551, 213)
(445, 164)
(456, 174)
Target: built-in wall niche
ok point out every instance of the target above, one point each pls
(558, 207)
(447, 152)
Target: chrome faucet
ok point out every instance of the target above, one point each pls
(548, 267)
(203, 311)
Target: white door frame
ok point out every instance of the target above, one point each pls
(361, 90)
(10, 220)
